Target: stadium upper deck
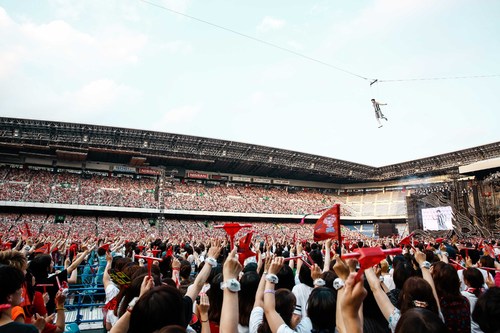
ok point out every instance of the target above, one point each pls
(21, 139)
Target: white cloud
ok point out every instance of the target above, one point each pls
(5, 20)
(180, 115)
(270, 23)
(180, 6)
(178, 46)
(97, 95)
(296, 45)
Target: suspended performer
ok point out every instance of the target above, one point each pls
(378, 112)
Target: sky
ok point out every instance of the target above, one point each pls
(135, 64)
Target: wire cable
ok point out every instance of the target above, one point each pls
(372, 80)
(439, 78)
(257, 40)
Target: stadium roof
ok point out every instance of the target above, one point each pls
(20, 138)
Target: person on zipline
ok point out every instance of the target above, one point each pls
(378, 112)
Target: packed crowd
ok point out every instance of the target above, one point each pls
(183, 277)
(246, 199)
(31, 185)
(64, 187)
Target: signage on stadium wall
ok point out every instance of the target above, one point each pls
(241, 179)
(123, 168)
(219, 177)
(262, 180)
(281, 182)
(149, 171)
(197, 175)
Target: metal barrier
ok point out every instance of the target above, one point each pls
(85, 301)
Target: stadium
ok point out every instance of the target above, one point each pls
(64, 170)
(180, 166)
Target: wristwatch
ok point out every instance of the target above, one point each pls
(132, 303)
(319, 282)
(211, 261)
(272, 278)
(338, 283)
(426, 264)
(232, 285)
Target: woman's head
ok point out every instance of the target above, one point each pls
(285, 304)
(487, 311)
(246, 297)
(322, 300)
(11, 280)
(402, 271)
(418, 320)
(447, 282)
(41, 266)
(159, 307)
(473, 278)
(14, 258)
(417, 293)
(215, 296)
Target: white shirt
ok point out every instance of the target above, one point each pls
(302, 292)
(257, 316)
(474, 327)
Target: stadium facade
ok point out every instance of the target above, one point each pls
(466, 180)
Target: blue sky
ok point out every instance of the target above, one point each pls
(130, 64)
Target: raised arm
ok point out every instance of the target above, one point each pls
(273, 317)
(383, 301)
(229, 313)
(426, 274)
(78, 261)
(328, 247)
(201, 278)
(354, 294)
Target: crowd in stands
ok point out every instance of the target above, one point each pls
(31, 185)
(64, 187)
(181, 276)
(245, 199)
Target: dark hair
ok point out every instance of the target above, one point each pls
(418, 320)
(487, 311)
(13, 258)
(475, 279)
(402, 271)
(159, 307)
(185, 269)
(126, 294)
(215, 296)
(487, 261)
(329, 276)
(101, 251)
(11, 279)
(447, 283)
(417, 292)
(246, 296)
(305, 276)
(321, 306)
(40, 266)
(373, 318)
(285, 304)
(171, 329)
(286, 278)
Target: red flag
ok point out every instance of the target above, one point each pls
(439, 240)
(170, 252)
(28, 231)
(43, 249)
(328, 225)
(105, 247)
(406, 240)
(244, 251)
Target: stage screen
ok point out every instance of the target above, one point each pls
(438, 218)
